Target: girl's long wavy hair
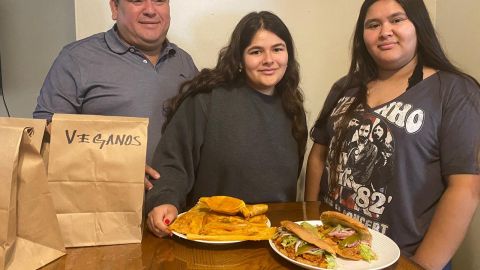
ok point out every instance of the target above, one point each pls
(227, 73)
(363, 68)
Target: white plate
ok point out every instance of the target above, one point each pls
(387, 253)
(181, 235)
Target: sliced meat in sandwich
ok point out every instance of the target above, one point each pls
(350, 238)
(303, 244)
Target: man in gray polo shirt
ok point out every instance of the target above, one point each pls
(128, 71)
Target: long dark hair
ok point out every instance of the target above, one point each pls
(363, 68)
(226, 73)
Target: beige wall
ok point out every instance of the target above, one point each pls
(91, 16)
(458, 26)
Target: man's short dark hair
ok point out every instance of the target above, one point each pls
(366, 122)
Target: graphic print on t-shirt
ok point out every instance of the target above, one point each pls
(365, 167)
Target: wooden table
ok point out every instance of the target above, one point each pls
(176, 253)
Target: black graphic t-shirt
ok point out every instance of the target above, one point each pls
(393, 165)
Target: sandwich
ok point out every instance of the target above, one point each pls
(302, 243)
(348, 236)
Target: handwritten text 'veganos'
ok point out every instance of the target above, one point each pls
(102, 139)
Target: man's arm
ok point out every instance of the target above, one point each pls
(450, 221)
(315, 165)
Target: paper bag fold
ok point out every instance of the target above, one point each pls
(38, 239)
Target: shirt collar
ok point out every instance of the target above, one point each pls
(117, 45)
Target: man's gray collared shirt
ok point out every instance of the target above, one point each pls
(104, 76)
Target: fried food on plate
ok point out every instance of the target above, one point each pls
(350, 238)
(208, 221)
(223, 204)
(232, 206)
(263, 234)
(252, 210)
(190, 222)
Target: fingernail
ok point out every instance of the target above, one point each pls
(150, 188)
(167, 221)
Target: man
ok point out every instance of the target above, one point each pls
(382, 171)
(360, 163)
(362, 154)
(128, 71)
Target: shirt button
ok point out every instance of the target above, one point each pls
(132, 50)
(145, 61)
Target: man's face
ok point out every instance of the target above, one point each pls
(354, 122)
(142, 23)
(363, 133)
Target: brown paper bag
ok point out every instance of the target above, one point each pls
(29, 231)
(95, 172)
